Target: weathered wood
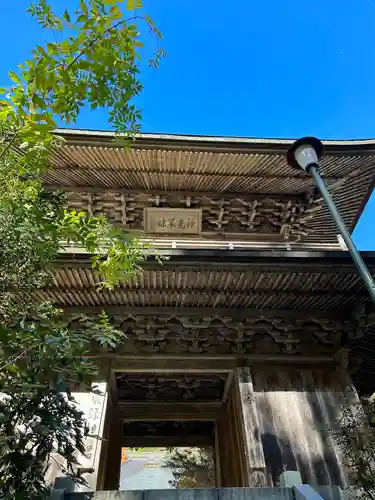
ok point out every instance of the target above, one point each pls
(206, 364)
(276, 261)
(228, 386)
(206, 311)
(170, 411)
(240, 438)
(225, 442)
(234, 469)
(294, 408)
(110, 414)
(159, 192)
(76, 288)
(110, 475)
(225, 216)
(177, 364)
(249, 414)
(217, 457)
(167, 441)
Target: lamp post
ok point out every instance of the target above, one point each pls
(304, 155)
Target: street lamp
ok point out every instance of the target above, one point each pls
(305, 154)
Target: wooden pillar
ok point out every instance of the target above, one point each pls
(112, 475)
(256, 466)
(109, 468)
(241, 454)
(218, 475)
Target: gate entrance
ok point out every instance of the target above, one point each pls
(173, 410)
(243, 414)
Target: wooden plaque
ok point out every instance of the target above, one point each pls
(172, 220)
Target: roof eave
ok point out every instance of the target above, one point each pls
(203, 143)
(236, 258)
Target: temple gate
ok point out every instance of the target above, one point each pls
(247, 337)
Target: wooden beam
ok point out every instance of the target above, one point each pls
(208, 364)
(284, 261)
(171, 411)
(174, 404)
(191, 288)
(238, 313)
(172, 364)
(158, 192)
(166, 441)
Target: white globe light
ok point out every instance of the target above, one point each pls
(305, 156)
(304, 153)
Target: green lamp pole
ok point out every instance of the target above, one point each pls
(305, 155)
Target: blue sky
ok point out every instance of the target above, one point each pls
(250, 68)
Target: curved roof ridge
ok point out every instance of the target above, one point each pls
(211, 138)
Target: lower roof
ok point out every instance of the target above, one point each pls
(237, 284)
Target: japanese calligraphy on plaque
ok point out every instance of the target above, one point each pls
(172, 220)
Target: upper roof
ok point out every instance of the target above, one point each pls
(160, 163)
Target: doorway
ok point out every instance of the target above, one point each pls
(167, 454)
(194, 418)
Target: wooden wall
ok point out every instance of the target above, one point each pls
(288, 412)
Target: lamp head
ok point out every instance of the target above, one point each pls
(304, 153)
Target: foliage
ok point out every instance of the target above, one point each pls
(191, 467)
(32, 427)
(355, 437)
(93, 61)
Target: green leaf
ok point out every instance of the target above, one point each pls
(66, 16)
(115, 11)
(83, 7)
(14, 77)
(134, 4)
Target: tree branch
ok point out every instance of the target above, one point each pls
(95, 39)
(9, 145)
(78, 56)
(16, 357)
